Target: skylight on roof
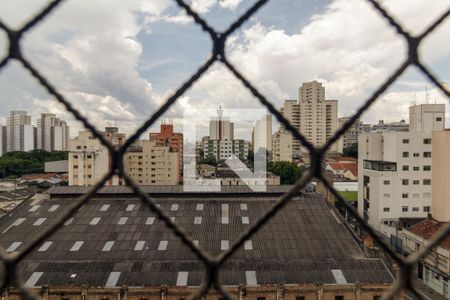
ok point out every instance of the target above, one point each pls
(245, 220)
(122, 221)
(225, 214)
(174, 207)
(112, 280)
(39, 221)
(18, 221)
(33, 279)
(182, 278)
(173, 219)
(248, 245)
(224, 244)
(130, 207)
(104, 207)
(162, 245)
(34, 208)
(108, 246)
(139, 245)
(76, 246)
(45, 246)
(54, 207)
(243, 206)
(13, 247)
(250, 278)
(199, 206)
(95, 221)
(339, 276)
(196, 242)
(198, 220)
(68, 222)
(150, 221)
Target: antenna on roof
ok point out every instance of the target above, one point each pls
(427, 95)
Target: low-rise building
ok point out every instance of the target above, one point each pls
(434, 268)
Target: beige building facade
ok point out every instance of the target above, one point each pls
(318, 117)
(148, 164)
(440, 174)
(351, 135)
(291, 112)
(262, 134)
(282, 146)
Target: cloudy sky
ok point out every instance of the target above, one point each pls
(117, 61)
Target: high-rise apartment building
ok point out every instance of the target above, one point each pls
(89, 160)
(19, 132)
(168, 138)
(351, 135)
(291, 112)
(150, 164)
(262, 134)
(395, 173)
(318, 117)
(52, 133)
(220, 127)
(224, 149)
(282, 146)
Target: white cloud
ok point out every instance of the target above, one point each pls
(230, 4)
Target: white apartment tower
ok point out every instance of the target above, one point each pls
(394, 176)
(262, 134)
(318, 117)
(19, 132)
(52, 133)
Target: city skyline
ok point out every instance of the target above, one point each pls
(276, 51)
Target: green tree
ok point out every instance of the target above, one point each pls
(288, 171)
(20, 163)
(351, 150)
(210, 160)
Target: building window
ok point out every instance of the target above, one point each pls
(387, 182)
(404, 208)
(75, 156)
(405, 181)
(427, 182)
(405, 168)
(438, 119)
(427, 168)
(427, 154)
(404, 195)
(426, 209)
(427, 141)
(416, 169)
(260, 298)
(415, 209)
(75, 167)
(376, 297)
(405, 154)
(405, 141)
(386, 195)
(300, 298)
(416, 154)
(416, 182)
(339, 297)
(386, 209)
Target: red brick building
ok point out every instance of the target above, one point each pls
(167, 137)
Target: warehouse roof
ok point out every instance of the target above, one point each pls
(115, 241)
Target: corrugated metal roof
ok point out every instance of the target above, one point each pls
(303, 243)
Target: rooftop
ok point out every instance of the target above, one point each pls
(114, 240)
(427, 228)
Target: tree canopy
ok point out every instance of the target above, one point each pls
(20, 163)
(351, 150)
(288, 171)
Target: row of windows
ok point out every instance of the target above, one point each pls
(406, 182)
(426, 154)
(406, 209)
(416, 168)
(406, 195)
(425, 141)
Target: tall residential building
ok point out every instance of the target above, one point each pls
(262, 134)
(291, 112)
(395, 177)
(318, 117)
(282, 146)
(220, 127)
(440, 175)
(19, 132)
(89, 160)
(224, 149)
(174, 140)
(2, 140)
(150, 164)
(351, 135)
(52, 133)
